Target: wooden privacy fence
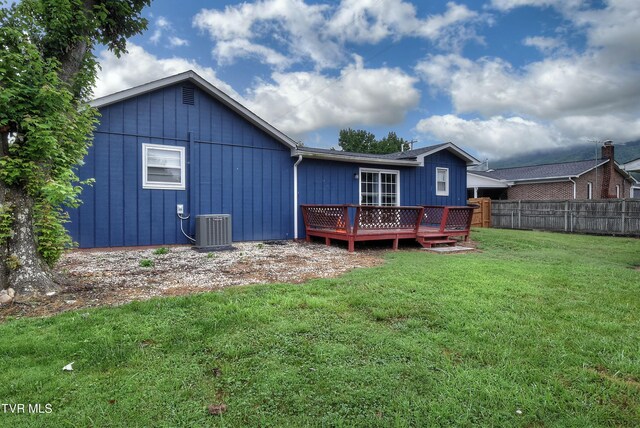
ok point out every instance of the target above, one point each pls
(612, 216)
(482, 214)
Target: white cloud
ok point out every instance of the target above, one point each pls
(593, 94)
(138, 67)
(545, 45)
(175, 41)
(370, 21)
(164, 29)
(317, 32)
(227, 51)
(302, 102)
(291, 24)
(161, 25)
(297, 103)
(506, 5)
(494, 137)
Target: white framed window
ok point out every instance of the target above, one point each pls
(163, 167)
(589, 190)
(442, 181)
(379, 187)
(618, 191)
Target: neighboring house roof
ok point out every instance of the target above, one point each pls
(543, 172)
(194, 78)
(632, 166)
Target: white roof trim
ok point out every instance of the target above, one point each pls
(497, 180)
(453, 148)
(593, 167)
(353, 159)
(205, 86)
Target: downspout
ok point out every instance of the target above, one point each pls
(574, 187)
(295, 197)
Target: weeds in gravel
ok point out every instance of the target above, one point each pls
(146, 263)
(161, 251)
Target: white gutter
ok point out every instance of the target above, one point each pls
(574, 188)
(295, 197)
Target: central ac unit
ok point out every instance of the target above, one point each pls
(213, 231)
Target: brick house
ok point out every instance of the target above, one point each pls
(591, 179)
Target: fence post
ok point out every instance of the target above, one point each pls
(566, 216)
(624, 209)
(519, 214)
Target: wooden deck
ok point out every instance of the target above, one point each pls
(429, 225)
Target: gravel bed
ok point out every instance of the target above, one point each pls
(112, 277)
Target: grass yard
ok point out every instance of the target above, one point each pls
(537, 329)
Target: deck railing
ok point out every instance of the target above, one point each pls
(447, 219)
(352, 223)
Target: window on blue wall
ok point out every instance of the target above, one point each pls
(442, 181)
(379, 187)
(163, 167)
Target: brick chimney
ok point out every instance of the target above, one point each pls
(607, 169)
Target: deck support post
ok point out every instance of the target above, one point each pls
(327, 242)
(395, 244)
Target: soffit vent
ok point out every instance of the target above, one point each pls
(188, 95)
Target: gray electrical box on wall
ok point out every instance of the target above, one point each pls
(213, 232)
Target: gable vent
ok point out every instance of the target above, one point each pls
(188, 95)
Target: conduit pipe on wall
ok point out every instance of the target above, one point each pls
(295, 197)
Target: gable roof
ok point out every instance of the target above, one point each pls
(409, 157)
(421, 153)
(192, 77)
(543, 172)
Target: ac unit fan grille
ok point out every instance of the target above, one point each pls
(213, 231)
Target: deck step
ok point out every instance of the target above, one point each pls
(428, 243)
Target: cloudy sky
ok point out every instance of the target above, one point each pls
(498, 78)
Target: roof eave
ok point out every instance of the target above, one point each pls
(544, 179)
(470, 160)
(207, 87)
(352, 159)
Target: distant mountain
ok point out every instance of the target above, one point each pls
(624, 152)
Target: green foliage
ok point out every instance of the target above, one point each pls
(47, 72)
(211, 256)
(361, 141)
(147, 263)
(161, 251)
(549, 326)
(6, 222)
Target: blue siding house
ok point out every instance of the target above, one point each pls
(182, 141)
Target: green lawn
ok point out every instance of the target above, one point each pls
(538, 329)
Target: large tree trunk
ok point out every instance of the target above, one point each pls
(21, 267)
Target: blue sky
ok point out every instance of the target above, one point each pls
(497, 78)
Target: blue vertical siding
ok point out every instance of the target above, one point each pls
(237, 169)
(232, 168)
(330, 182)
